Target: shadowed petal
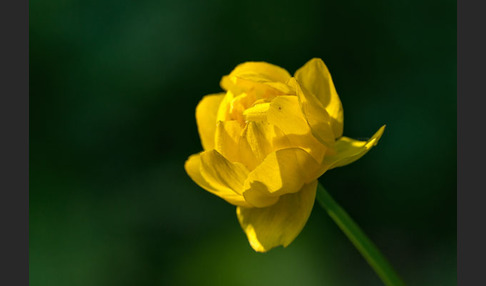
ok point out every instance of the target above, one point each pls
(280, 223)
(192, 167)
(282, 172)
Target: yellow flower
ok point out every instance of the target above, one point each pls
(266, 141)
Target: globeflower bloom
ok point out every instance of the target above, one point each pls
(267, 139)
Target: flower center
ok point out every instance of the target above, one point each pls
(244, 107)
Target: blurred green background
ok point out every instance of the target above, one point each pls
(113, 88)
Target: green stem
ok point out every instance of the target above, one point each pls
(369, 251)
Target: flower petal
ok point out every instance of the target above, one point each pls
(260, 72)
(258, 195)
(206, 112)
(258, 112)
(231, 143)
(221, 173)
(223, 112)
(227, 136)
(314, 77)
(260, 136)
(192, 167)
(315, 115)
(283, 171)
(347, 150)
(280, 223)
(262, 79)
(286, 114)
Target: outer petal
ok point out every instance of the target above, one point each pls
(316, 115)
(315, 78)
(260, 72)
(280, 223)
(206, 112)
(282, 172)
(221, 173)
(263, 79)
(192, 167)
(347, 150)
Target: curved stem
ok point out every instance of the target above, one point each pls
(369, 251)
